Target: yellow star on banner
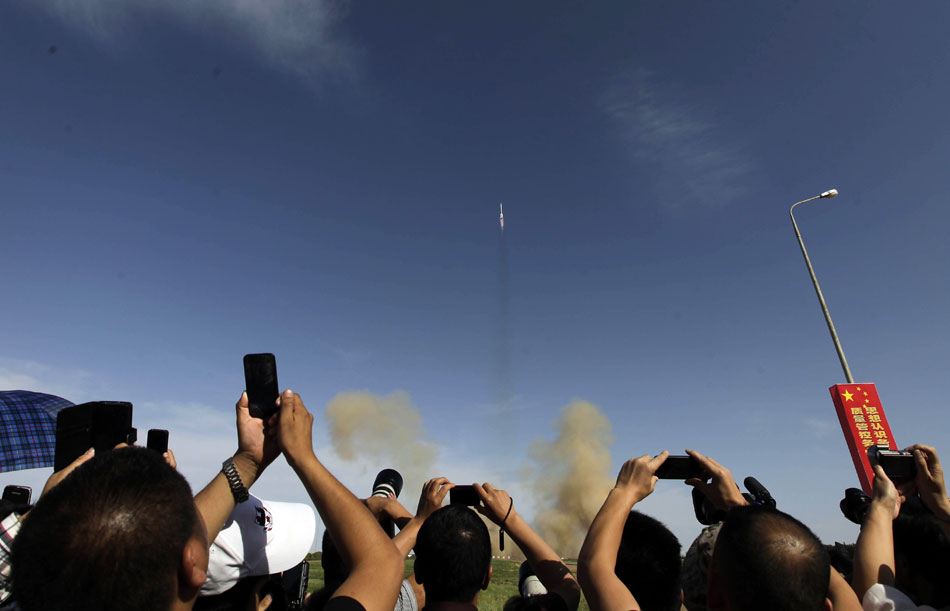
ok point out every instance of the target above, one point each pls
(865, 393)
(847, 396)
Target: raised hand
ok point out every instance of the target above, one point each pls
(721, 489)
(637, 476)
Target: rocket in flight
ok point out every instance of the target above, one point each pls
(501, 217)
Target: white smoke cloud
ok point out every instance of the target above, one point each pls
(295, 36)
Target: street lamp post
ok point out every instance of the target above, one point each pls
(814, 280)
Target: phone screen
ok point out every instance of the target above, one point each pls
(98, 424)
(463, 495)
(679, 467)
(157, 440)
(19, 495)
(260, 378)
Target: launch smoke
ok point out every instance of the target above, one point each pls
(571, 476)
(386, 430)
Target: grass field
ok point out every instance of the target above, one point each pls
(504, 582)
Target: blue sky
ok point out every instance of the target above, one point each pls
(181, 186)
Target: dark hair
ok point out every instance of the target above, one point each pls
(109, 536)
(453, 554)
(922, 552)
(648, 563)
(769, 560)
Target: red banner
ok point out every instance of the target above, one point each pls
(863, 423)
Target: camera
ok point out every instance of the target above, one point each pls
(899, 466)
(387, 482)
(855, 505)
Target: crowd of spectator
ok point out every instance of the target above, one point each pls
(122, 530)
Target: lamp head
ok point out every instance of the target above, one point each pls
(829, 193)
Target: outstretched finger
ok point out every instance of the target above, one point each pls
(921, 460)
(658, 460)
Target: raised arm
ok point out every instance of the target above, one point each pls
(255, 451)
(376, 567)
(598, 558)
(841, 594)
(874, 551)
(547, 564)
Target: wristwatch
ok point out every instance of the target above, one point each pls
(234, 481)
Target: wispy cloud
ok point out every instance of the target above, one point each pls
(675, 138)
(296, 36)
(73, 384)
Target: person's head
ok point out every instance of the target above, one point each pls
(453, 555)
(648, 563)
(766, 559)
(120, 532)
(921, 555)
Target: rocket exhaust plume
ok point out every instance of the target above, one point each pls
(386, 430)
(571, 476)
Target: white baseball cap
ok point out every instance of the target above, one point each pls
(259, 538)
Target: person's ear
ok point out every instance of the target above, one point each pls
(194, 565)
(828, 605)
(487, 578)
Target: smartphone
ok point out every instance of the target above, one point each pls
(98, 424)
(260, 381)
(679, 467)
(899, 466)
(157, 440)
(463, 495)
(19, 495)
(294, 583)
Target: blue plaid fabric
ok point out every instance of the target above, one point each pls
(28, 429)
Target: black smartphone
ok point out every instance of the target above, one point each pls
(98, 424)
(463, 495)
(294, 583)
(157, 440)
(260, 381)
(679, 467)
(19, 495)
(898, 465)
